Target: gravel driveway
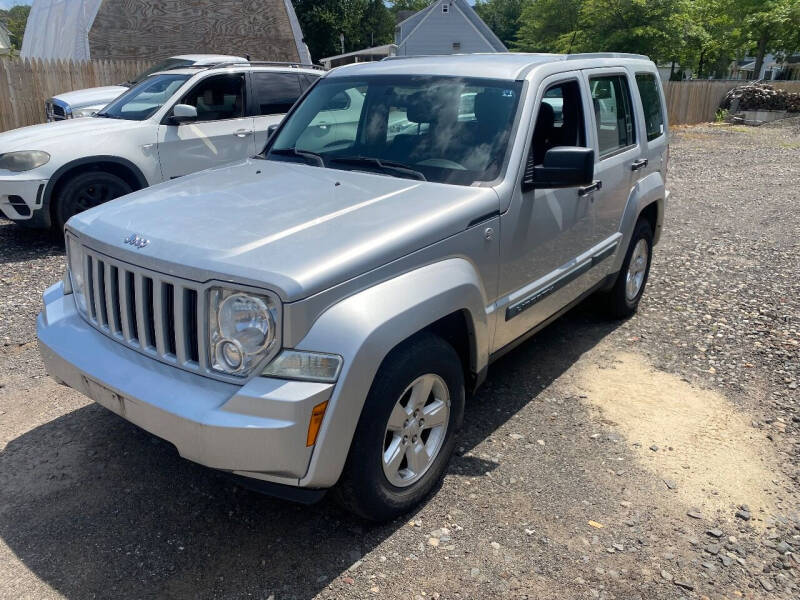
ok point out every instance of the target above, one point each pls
(654, 458)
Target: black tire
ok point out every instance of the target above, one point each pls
(364, 488)
(84, 191)
(618, 304)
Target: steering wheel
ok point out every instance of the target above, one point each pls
(442, 163)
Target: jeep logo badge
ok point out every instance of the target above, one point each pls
(136, 240)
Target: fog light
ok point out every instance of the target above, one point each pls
(230, 353)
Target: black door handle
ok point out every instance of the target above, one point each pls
(639, 164)
(585, 191)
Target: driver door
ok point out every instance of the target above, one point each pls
(545, 230)
(220, 134)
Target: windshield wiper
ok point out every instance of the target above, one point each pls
(388, 166)
(300, 153)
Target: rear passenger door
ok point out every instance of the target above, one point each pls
(616, 144)
(273, 94)
(655, 124)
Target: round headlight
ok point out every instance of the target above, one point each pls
(247, 320)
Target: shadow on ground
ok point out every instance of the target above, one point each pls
(95, 506)
(20, 243)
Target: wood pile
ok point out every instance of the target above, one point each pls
(760, 96)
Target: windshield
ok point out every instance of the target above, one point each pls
(144, 99)
(443, 129)
(170, 63)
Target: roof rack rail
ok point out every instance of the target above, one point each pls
(263, 63)
(584, 55)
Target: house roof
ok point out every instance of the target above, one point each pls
(414, 20)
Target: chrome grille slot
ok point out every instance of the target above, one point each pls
(100, 292)
(149, 316)
(156, 314)
(90, 268)
(168, 308)
(192, 325)
(130, 329)
(113, 307)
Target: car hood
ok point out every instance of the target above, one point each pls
(71, 131)
(91, 96)
(292, 228)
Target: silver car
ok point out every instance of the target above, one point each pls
(313, 318)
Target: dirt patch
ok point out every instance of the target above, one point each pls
(693, 438)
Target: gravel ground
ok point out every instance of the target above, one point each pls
(655, 458)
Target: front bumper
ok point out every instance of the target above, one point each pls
(21, 195)
(257, 430)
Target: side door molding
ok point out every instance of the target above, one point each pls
(552, 282)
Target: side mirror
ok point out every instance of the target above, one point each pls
(271, 130)
(563, 167)
(183, 112)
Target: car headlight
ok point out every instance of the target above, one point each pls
(77, 113)
(305, 366)
(24, 160)
(75, 261)
(242, 330)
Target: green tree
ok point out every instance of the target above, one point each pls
(768, 26)
(362, 22)
(502, 17)
(549, 25)
(15, 20)
(652, 27)
(414, 5)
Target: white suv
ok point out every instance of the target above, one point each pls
(84, 103)
(170, 124)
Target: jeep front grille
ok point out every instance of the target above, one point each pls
(156, 314)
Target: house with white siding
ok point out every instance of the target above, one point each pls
(445, 27)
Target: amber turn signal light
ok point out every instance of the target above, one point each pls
(316, 421)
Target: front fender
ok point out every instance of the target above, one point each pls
(365, 327)
(646, 191)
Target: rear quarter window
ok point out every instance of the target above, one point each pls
(651, 105)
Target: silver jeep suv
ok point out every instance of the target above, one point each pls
(314, 317)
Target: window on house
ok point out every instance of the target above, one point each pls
(456, 46)
(445, 8)
(613, 113)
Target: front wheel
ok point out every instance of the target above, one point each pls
(407, 430)
(84, 191)
(623, 299)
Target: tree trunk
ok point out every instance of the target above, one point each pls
(760, 52)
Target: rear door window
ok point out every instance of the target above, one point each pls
(651, 105)
(613, 112)
(274, 93)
